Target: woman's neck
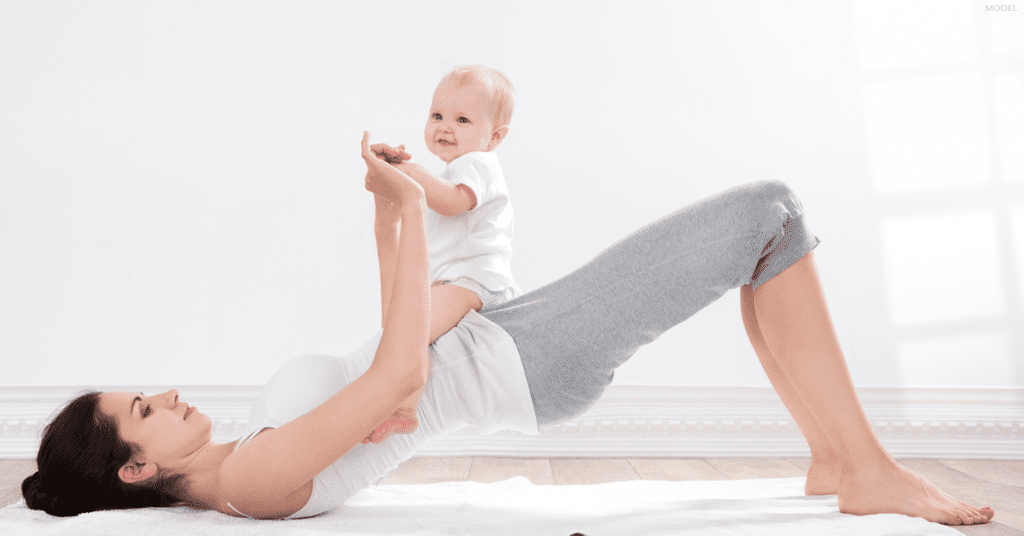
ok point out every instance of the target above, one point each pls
(203, 475)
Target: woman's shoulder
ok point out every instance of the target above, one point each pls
(243, 492)
(252, 478)
(244, 505)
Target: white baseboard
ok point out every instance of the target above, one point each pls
(642, 421)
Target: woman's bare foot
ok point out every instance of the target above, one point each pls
(889, 488)
(822, 478)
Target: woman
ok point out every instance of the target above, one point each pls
(538, 359)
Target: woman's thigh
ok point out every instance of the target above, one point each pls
(573, 333)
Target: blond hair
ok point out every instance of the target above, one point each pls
(502, 93)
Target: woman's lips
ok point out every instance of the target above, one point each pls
(189, 412)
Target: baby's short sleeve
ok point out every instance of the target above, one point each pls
(476, 171)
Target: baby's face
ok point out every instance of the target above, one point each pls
(461, 120)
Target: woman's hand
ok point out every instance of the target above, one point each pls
(388, 182)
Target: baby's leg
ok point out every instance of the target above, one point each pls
(448, 304)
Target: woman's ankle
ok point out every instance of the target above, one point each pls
(824, 457)
(868, 463)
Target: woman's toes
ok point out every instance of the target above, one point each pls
(970, 518)
(978, 515)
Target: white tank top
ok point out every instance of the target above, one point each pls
(476, 379)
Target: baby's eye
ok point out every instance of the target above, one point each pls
(462, 120)
(436, 116)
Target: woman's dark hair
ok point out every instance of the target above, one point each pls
(79, 456)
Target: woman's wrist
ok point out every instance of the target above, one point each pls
(384, 230)
(414, 207)
(388, 217)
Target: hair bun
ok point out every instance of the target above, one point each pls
(36, 497)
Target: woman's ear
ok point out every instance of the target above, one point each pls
(499, 134)
(131, 472)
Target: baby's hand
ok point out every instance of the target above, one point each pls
(389, 154)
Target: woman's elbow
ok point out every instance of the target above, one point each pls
(417, 380)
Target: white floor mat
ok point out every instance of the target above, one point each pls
(517, 507)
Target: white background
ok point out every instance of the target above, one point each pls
(181, 195)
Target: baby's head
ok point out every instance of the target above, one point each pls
(471, 110)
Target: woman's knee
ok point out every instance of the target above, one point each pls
(773, 190)
(771, 196)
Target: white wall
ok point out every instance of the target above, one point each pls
(181, 192)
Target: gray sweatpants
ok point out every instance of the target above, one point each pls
(573, 333)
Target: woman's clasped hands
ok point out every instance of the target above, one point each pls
(385, 180)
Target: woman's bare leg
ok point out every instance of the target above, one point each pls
(823, 475)
(795, 324)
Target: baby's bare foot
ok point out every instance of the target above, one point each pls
(822, 478)
(892, 489)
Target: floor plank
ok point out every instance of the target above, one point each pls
(1003, 472)
(591, 470)
(538, 470)
(675, 469)
(802, 463)
(429, 470)
(990, 529)
(743, 468)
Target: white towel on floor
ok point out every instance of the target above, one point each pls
(516, 507)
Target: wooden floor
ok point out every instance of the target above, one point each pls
(999, 484)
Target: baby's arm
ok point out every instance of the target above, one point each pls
(448, 304)
(443, 197)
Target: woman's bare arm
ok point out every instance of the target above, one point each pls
(280, 461)
(448, 304)
(386, 229)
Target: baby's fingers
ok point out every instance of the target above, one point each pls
(384, 149)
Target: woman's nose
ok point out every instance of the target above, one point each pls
(172, 397)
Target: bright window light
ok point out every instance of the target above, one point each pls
(1017, 221)
(978, 361)
(1006, 34)
(927, 133)
(913, 33)
(942, 268)
(1009, 103)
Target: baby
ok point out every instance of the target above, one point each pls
(469, 226)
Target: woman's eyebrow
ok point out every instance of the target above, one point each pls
(131, 409)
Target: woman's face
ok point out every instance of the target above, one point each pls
(162, 426)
